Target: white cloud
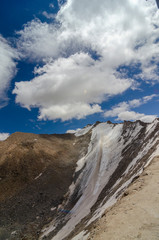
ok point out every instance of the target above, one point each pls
(138, 102)
(7, 68)
(51, 5)
(123, 110)
(69, 88)
(4, 136)
(68, 111)
(117, 32)
(48, 15)
(120, 32)
(131, 115)
(149, 98)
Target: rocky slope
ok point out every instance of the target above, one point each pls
(35, 173)
(136, 215)
(57, 186)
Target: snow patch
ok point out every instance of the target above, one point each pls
(80, 164)
(83, 131)
(79, 132)
(47, 230)
(13, 233)
(38, 176)
(155, 154)
(151, 127)
(73, 131)
(53, 208)
(4, 136)
(81, 236)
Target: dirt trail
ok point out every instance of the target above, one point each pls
(136, 215)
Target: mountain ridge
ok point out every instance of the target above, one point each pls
(70, 179)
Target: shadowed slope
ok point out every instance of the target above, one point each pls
(35, 173)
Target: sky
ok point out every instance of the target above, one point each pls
(68, 63)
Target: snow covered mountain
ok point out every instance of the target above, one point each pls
(116, 155)
(54, 187)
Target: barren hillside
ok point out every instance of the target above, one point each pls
(56, 187)
(35, 173)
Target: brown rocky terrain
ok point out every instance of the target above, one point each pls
(35, 173)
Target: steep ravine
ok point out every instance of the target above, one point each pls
(117, 154)
(55, 187)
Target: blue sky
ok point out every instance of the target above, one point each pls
(66, 64)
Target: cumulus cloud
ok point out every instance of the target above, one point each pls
(68, 111)
(131, 115)
(7, 68)
(123, 110)
(69, 88)
(128, 28)
(82, 51)
(4, 136)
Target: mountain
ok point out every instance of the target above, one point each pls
(56, 186)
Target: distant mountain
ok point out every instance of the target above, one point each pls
(56, 186)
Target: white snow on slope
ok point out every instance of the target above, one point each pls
(71, 131)
(112, 200)
(80, 131)
(81, 236)
(150, 128)
(80, 164)
(83, 131)
(102, 159)
(4, 136)
(38, 176)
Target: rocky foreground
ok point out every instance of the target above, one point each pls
(58, 186)
(136, 215)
